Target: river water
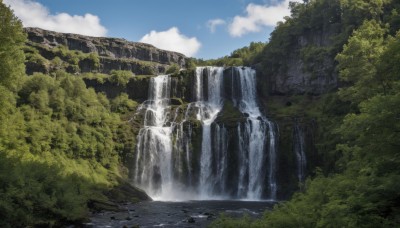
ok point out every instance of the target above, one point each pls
(177, 214)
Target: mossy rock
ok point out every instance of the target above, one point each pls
(125, 192)
(230, 116)
(176, 101)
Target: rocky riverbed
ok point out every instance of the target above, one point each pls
(176, 214)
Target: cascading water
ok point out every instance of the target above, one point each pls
(254, 134)
(154, 147)
(272, 161)
(209, 104)
(237, 162)
(298, 147)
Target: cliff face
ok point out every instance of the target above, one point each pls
(299, 75)
(285, 112)
(114, 53)
(300, 55)
(138, 88)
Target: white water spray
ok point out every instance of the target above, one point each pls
(169, 167)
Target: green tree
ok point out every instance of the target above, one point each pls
(12, 39)
(358, 62)
(120, 77)
(122, 104)
(249, 54)
(94, 61)
(173, 69)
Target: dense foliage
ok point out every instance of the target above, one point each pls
(49, 60)
(173, 69)
(361, 189)
(59, 141)
(12, 40)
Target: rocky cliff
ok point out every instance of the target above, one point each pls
(113, 53)
(285, 112)
(309, 68)
(300, 55)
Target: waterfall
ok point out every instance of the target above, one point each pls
(221, 156)
(236, 161)
(209, 104)
(154, 145)
(253, 136)
(272, 161)
(298, 148)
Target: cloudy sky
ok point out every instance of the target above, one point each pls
(202, 29)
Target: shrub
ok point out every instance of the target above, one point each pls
(120, 77)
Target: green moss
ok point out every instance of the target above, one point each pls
(229, 116)
(176, 101)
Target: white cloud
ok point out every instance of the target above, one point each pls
(173, 40)
(212, 24)
(34, 14)
(259, 16)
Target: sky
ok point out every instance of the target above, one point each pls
(202, 29)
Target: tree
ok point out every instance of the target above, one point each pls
(358, 62)
(12, 40)
(120, 77)
(173, 69)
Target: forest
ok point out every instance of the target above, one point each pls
(64, 147)
(60, 143)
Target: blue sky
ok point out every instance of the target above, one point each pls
(180, 25)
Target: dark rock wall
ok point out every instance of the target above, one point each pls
(137, 88)
(138, 68)
(308, 67)
(287, 164)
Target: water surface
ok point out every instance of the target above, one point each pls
(177, 214)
